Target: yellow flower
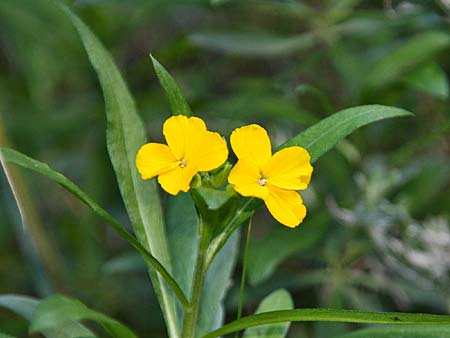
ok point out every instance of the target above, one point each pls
(190, 148)
(274, 179)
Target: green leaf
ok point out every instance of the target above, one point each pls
(407, 331)
(252, 44)
(56, 311)
(24, 161)
(411, 53)
(329, 315)
(4, 335)
(324, 135)
(125, 135)
(26, 307)
(430, 79)
(181, 225)
(216, 284)
(277, 300)
(283, 242)
(176, 99)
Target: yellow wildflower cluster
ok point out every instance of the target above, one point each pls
(191, 148)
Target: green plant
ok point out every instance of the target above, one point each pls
(173, 274)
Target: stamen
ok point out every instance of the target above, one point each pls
(183, 163)
(262, 181)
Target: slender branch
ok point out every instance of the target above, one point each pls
(244, 270)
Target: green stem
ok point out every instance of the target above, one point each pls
(191, 311)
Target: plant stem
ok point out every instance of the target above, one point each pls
(191, 311)
(244, 270)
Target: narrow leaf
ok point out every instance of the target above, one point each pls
(56, 311)
(176, 99)
(24, 161)
(26, 307)
(329, 315)
(407, 331)
(125, 135)
(411, 53)
(277, 300)
(252, 44)
(324, 135)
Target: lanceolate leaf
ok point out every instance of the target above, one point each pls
(329, 315)
(407, 331)
(324, 135)
(56, 311)
(416, 50)
(176, 99)
(26, 307)
(217, 282)
(15, 157)
(125, 135)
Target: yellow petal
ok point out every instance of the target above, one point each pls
(177, 179)
(245, 176)
(286, 206)
(180, 130)
(206, 150)
(252, 144)
(289, 168)
(153, 159)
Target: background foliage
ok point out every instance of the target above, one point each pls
(377, 235)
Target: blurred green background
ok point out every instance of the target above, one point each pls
(377, 234)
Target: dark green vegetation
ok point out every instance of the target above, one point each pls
(377, 233)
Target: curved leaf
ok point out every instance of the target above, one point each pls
(26, 307)
(407, 331)
(15, 157)
(252, 44)
(325, 134)
(56, 311)
(329, 315)
(125, 135)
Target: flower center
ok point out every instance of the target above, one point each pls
(183, 163)
(262, 181)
